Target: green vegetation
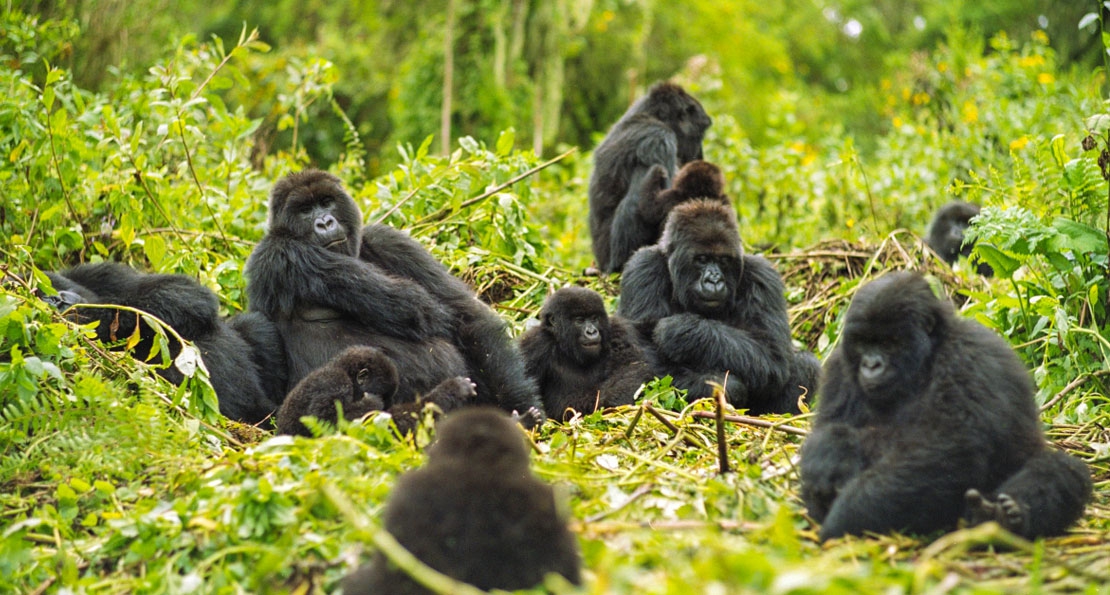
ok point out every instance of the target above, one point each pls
(128, 133)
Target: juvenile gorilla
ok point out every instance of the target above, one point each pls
(709, 309)
(243, 355)
(925, 418)
(362, 379)
(328, 285)
(946, 234)
(475, 513)
(582, 358)
(660, 132)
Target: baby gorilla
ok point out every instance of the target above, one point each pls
(925, 418)
(582, 358)
(362, 379)
(474, 513)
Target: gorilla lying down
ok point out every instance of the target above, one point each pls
(243, 354)
(925, 419)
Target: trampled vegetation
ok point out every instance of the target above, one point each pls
(113, 480)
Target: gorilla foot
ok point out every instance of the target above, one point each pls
(1005, 510)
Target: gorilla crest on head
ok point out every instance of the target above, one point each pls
(703, 232)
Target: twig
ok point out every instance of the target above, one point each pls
(1072, 386)
(670, 426)
(636, 495)
(444, 212)
(722, 443)
(751, 421)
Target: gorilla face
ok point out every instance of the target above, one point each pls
(705, 280)
(889, 337)
(576, 318)
(316, 211)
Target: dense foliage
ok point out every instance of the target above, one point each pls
(113, 480)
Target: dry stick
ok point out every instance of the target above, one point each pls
(396, 553)
(722, 444)
(751, 421)
(639, 493)
(444, 212)
(1072, 386)
(670, 426)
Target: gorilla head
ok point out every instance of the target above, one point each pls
(704, 256)
(700, 179)
(671, 104)
(480, 436)
(575, 317)
(371, 374)
(889, 336)
(312, 206)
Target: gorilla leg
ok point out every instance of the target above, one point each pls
(1044, 498)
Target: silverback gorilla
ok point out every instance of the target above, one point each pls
(709, 309)
(946, 234)
(582, 358)
(329, 284)
(362, 379)
(663, 129)
(925, 418)
(475, 513)
(243, 354)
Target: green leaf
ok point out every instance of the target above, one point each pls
(1003, 264)
(1059, 155)
(1078, 237)
(155, 249)
(505, 142)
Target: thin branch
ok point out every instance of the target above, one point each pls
(670, 426)
(1074, 384)
(751, 421)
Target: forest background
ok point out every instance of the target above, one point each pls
(150, 132)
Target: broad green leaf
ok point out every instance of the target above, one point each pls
(1078, 237)
(1003, 264)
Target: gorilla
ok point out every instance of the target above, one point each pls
(475, 513)
(362, 379)
(582, 358)
(709, 309)
(926, 418)
(244, 354)
(328, 284)
(946, 234)
(660, 132)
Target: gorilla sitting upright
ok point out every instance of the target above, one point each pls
(925, 418)
(709, 309)
(328, 283)
(582, 358)
(660, 133)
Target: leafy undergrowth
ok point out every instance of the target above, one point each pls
(123, 490)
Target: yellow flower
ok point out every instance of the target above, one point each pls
(850, 223)
(897, 122)
(970, 112)
(920, 98)
(942, 67)
(1031, 61)
(1040, 37)
(1019, 144)
(1045, 78)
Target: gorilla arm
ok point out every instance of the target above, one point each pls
(285, 273)
(637, 219)
(628, 368)
(492, 359)
(646, 290)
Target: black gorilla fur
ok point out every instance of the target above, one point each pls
(661, 132)
(581, 357)
(475, 513)
(709, 309)
(329, 284)
(362, 379)
(946, 234)
(244, 354)
(925, 418)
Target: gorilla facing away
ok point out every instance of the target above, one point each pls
(709, 309)
(926, 418)
(659, 133)
(582, 358)
(328, 284)
(946, 234)
(243, 355)
(362, 379)
(475, 513)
